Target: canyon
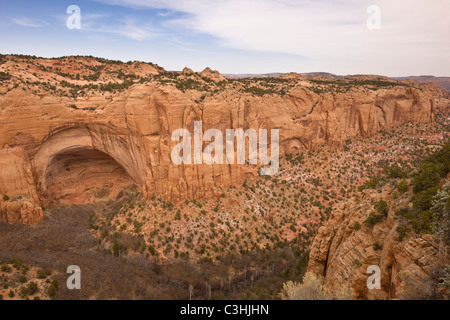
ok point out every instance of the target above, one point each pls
(55, 147)
(90, 135)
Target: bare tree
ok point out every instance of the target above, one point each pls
(313, 288)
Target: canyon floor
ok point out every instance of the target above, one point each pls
(64, 238)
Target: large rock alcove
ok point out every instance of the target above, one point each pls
(81, 164)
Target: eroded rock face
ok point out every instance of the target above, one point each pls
(133, 130)
(22, 210)
(186, 71)
(344, 248)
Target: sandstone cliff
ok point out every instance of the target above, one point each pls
(345, 247)
(69, 134)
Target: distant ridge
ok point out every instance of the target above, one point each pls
(253, 75)
(443, 82)
(279, 74)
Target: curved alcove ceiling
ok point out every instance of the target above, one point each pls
(85, 143)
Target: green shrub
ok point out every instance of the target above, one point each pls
(433, 168)
(402, 212)
(55, 283)
(42, 274)
(116, 249)
(395, 172)
(422, 200)
(441, 213)
(421, 222)
(382, 207)
(377, 246)
(52, 290)
(402, 186)
(402, 231)
(356, 262)
(4, 76)
(373, 219)
(371, 184)
(32, 288)
(22, 279)
(426, 185)
(25, 269)
(152, 250)
(17, 263)
(5, 268)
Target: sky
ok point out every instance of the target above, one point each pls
(386, 37)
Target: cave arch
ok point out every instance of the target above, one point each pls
(80, 156)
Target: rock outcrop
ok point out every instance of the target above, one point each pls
(293, 75)
(20, 210)
(186, 71)
(212, 75)
(345, 247)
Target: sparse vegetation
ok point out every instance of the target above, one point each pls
(312, 288)
(246, 240)
(426, 185)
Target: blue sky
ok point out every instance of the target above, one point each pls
(240, 36)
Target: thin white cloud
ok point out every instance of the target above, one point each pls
(26, 22)
(104, 23)
(87, 19)
(180, 44)
(166, 13)
(130, 29)
(331, 32)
